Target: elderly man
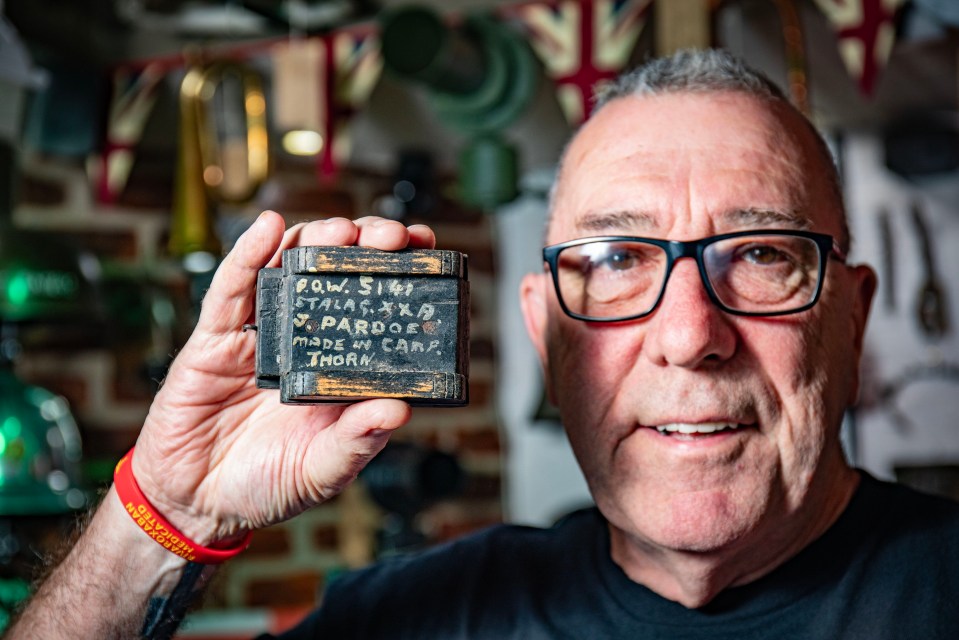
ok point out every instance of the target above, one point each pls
(700, 329)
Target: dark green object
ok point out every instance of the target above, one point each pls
(13, 592)
(42, 279)
(509, 80)
(480, 76)
(488, 172)
(416, 45)
(40, 451)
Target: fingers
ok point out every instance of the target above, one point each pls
(228, 303)
(330, 232)
(421, 236)
(370, 231)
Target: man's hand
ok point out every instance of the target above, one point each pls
(217, 456)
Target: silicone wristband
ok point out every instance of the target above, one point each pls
(157, 527)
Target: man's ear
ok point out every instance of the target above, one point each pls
(533, 302)
(865, 282)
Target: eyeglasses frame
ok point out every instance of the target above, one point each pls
(677, 249)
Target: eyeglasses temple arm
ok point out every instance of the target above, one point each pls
(839, 253)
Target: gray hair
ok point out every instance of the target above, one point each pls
(691, 71)
(713, 71)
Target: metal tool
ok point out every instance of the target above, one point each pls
(888, 261)
(210, 170)
(931, 310)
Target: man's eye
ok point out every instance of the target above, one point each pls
(619, 260)
(762, 255)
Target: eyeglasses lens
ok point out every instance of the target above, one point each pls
(611, 279)
(756, 273)
(763, 273)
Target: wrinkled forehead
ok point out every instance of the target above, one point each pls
(706, 161)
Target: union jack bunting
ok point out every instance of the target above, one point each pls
(131, 102)
(866, 32)
(351, 66)
(581, 43)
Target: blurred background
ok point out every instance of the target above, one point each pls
(139, 138)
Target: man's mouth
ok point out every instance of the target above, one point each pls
(692, 431)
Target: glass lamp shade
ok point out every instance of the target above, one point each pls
(40, 451)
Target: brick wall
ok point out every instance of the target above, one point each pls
(109, 374)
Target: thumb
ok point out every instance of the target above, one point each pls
(229, 301)
(341, 451)
(364, 427)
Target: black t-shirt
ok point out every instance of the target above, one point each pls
(888, 568)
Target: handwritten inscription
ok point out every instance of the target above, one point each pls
(365, 322)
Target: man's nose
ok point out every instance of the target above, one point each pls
(687, 329)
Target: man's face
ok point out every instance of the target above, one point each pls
(683, 167)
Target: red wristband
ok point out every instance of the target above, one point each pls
(156, 526)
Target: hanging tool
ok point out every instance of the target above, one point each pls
(931, 303)
(888, 261)
(211, 170)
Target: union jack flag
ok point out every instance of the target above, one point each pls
(134, 95)
(866, 32)
(351, 67)
(581, 43)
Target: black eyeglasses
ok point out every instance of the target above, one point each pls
(770, 272)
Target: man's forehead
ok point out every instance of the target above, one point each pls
(633, 222)
(734, 156)
(647, 129)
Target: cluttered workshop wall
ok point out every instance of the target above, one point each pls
(905, 223)
(542, 480)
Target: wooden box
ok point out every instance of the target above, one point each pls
(338, 324)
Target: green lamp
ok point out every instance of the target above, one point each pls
(480, 76)
(47, 293)
(43, 289)
(47, 296)
(40, 451)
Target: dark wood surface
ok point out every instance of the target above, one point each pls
(337, 324)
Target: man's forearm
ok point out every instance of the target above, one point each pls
(116, 582)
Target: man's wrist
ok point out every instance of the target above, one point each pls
(159, 529)
(129, 539)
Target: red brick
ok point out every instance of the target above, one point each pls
(74, 389)
(150, 185)
(448, 530)
(468, 238)
(449, 210)
(272, 541)
(107, 444)
(482, 487)
(326, 537)
(430, 440)
(293, 590)
(482, 349)
(131, 380)
(480, 260)
(116, 245)
(485, 440)
(481, 393)
(307, 197)
(35, 190)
